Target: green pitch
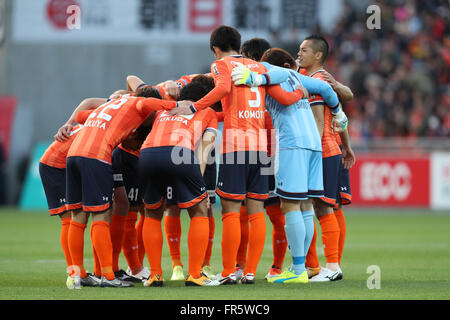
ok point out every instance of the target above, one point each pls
(411, 249)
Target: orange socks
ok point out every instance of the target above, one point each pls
(330, 237)
(339, 214)
(76, 246)
(97, 268)
(172, 228)
(153, 243)
(279, 241)
(312, 261)
(197, 243)
(130, 243)
(241, 257)
(101, 239)
(231, 237)
(257, 238)
(140, 241)
(64, 239)
(117, 229)
(212, 229)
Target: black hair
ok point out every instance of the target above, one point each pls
(208, 83)
(278, 57)
(255, 48)
(193, 91)
(226, 38)
(147, 92)
(319, 44)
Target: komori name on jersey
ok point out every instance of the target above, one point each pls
(251, 114)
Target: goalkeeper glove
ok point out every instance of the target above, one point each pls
(340, 121)
(242, 75)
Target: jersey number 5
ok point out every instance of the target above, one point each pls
(257, 102)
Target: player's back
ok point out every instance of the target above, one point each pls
(106, 127)
(180, 130)
(330, 146)
(56, 153)
(243, 109)
(295, 123)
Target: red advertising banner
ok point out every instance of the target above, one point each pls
(205, 15)
(391, 180)
(7, 109)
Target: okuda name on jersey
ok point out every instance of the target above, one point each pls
(165, 116)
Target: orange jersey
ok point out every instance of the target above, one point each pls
(111, 123)
(56, 154)
(338, 138)
(330, 146)
(180, 130)
(243, 106)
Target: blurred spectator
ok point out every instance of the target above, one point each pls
(400, 73)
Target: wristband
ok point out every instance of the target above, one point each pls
(193, 110)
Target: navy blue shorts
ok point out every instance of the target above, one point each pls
(165, 175)
(126, 173)
(54, 183)
(209, 177)
(243, 175)
(331, 177)
(345, 193)
(89, 184)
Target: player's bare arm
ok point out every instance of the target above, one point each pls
(87, 104)
(205, 147)
(133, 82)
(344, 92)
(348, 156)
(318, 111)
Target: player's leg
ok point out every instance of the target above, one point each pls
(130, 247)
(77, 227)
(257, 193)
(97, 193)
(206, 266)
(153, 163)
(66, 217)
(292, 188)
(279, 241)
(231, 190)
(172, 228)
(345, 198)
(139, 236)
(315, 190)
(324, 212)
(119, 210)
(153, 243)
(117, 228)
(54, 183)
(241, 258)
(190, 192)
(198, 238)
(210, 177)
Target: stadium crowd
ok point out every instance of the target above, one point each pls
(398, 73)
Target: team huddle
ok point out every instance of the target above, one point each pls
(153, 150)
